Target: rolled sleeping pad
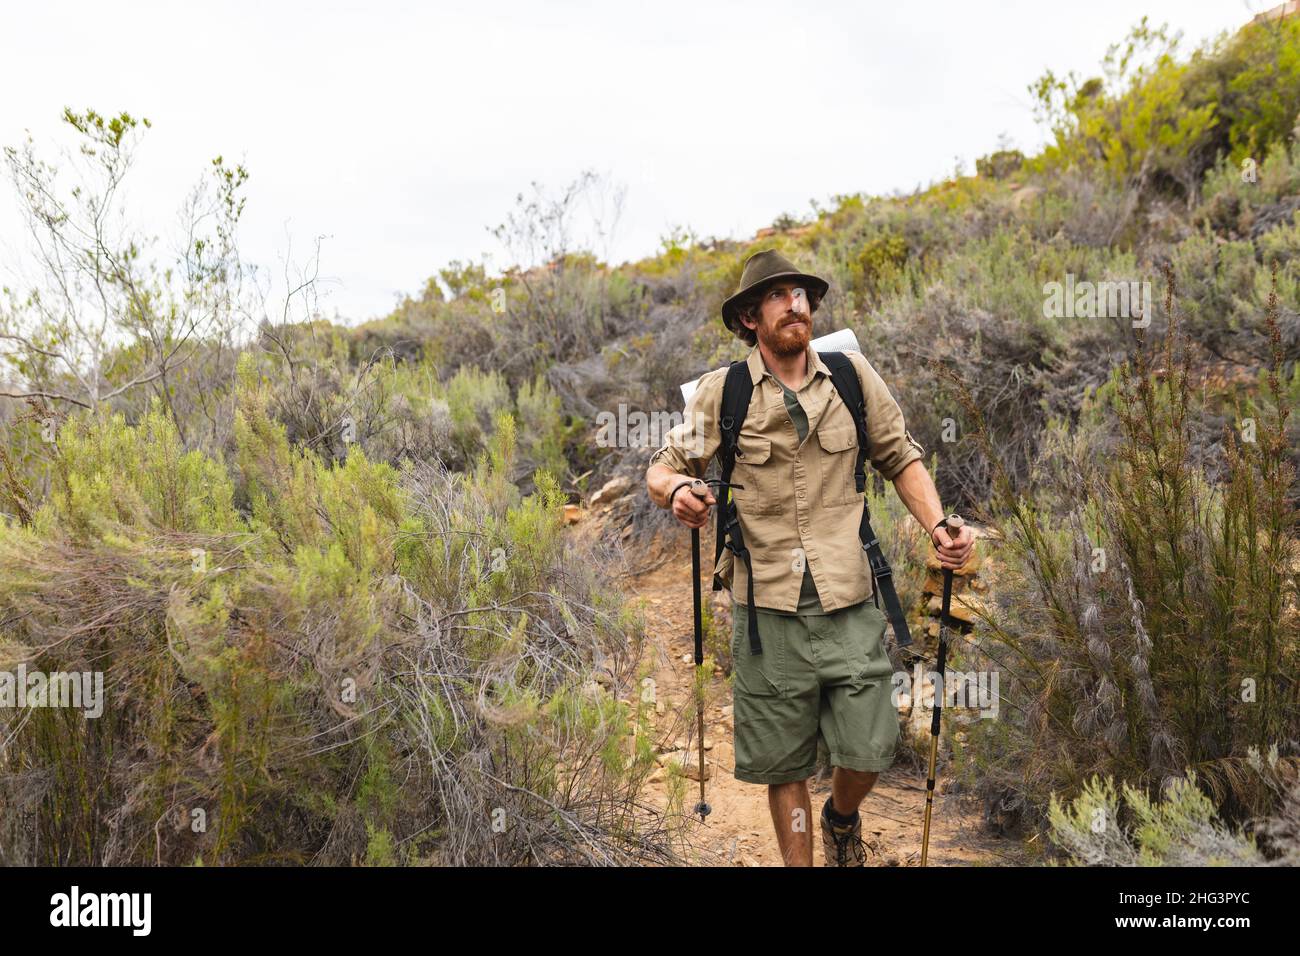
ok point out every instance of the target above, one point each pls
(842, 341)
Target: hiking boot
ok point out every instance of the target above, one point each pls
(842, 843)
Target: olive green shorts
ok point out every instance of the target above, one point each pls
(820, 675)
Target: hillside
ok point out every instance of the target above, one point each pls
(330, 574)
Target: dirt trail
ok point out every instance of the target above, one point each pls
(739, 830)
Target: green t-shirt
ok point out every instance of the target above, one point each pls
(809, 602)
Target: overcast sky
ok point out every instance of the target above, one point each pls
(402, 132)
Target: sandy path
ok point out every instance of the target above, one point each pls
(739, 829)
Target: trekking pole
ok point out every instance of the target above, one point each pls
(701, 490)
(951, 523)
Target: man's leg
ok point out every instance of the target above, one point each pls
(791, 818)
(858, 721)
(849, 788)
(777, 709)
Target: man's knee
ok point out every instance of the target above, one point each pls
(865, 778)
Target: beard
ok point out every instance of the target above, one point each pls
(790, 337)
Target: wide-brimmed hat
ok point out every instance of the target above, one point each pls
(763, 267)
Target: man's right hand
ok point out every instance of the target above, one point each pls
(690, 509)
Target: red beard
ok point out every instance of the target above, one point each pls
(789, 338)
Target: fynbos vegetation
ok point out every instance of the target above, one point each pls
(324, 574)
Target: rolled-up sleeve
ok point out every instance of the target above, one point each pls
(690, 445)
(891, 446)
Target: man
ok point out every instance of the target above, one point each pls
(823, 670)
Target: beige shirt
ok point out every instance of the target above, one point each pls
(799, 504)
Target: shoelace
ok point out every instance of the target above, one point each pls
(843, 842)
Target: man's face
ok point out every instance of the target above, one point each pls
(785, 322)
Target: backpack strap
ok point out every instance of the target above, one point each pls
(736, 395)
(845, 378)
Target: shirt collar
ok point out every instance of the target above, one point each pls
(758, 368)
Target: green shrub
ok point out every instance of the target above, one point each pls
(473, 398)
(1144, 625)
(368, 666)
(1182, 829)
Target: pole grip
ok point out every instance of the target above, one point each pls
(951, 523)
(954, 522)
(700, 489)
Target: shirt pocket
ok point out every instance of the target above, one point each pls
(839, 444)
(759, 496)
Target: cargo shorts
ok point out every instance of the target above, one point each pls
(821, 678)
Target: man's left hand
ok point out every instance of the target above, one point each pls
(953, 549)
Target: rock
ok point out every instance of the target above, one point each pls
(934, 583)
(681, 743)
(932, 629)
(683, 760)
(968, 609)
(692, 770)
(611, 490)
(573, 514)
(965, 608)
(659, 707)
(967, 570)
(728, 710)
(1026, 194)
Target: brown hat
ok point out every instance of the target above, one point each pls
(763, 267)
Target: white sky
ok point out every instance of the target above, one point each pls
(402, 132)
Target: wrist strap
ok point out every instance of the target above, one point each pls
(679, 487)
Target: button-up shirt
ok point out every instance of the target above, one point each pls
(799, 505)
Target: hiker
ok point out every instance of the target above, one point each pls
(815, 665)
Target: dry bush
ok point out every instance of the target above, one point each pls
(360, 666)
(1147, 624)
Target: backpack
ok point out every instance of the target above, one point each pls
(736, 395)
